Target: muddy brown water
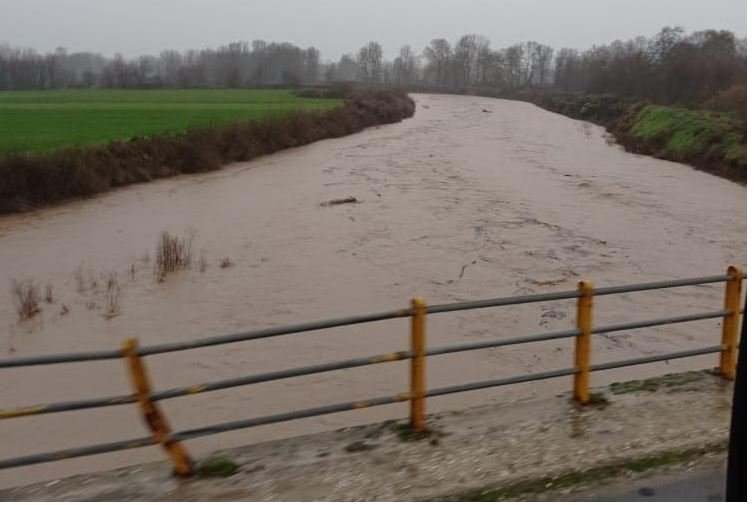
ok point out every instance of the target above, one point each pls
(453, 204)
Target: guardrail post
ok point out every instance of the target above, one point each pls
(153, 416)
(731, 322)
(583, 343)
(418, 387)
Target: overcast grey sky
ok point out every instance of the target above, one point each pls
(335, 26)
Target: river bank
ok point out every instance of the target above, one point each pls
(710, 137)
(710, 140)
(502, 451)
(37, 180)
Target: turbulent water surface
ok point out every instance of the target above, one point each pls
(471, 198)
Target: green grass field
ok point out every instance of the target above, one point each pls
(43, 121)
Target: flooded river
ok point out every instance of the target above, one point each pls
(471, 198)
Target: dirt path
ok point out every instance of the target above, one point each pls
(453, 204)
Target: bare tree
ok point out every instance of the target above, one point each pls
(542, 59)
(405, 67)
(438, 55)
(370, 62)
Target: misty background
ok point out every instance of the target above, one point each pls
(492, 46)
(139, 27)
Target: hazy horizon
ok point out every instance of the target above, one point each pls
(340, 26)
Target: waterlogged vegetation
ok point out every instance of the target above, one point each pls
(43, 121)
(103, 290)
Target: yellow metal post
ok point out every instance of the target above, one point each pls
(731, 323)
(153, 416)
(418, 388)
(583, 343)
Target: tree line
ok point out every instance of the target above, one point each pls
(236, 65)
(671, 66)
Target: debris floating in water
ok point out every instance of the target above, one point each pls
(339, 201)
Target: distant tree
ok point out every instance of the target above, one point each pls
(312, 65)
(405, 67)
(542, 59)
(514, 65)
(704, 66)
(347, 69)
(466, 56)
(567, 71)
(370, 62)
(438, 55)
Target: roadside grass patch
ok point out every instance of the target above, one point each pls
(359, 446)
(655, 383)
(597, 400)
(217, 467)
(406, 433)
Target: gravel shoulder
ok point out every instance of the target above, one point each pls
(503, 450)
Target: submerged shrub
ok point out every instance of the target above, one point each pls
(173, 254)
(26, 298)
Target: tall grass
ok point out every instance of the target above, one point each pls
(112, 296)
(28, 182)
(173, 254)
(26, 298)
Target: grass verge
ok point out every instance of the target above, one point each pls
(655, 383)
(217, 467)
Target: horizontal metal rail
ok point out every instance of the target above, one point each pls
(65, 406)
(208, 341)
(52, 359)
(631, 288)
(331, 409)
(485, 344)
(660, 321)
(346, 321)
(501, 302)
(90, 450)
(655, 358)
(344, 364)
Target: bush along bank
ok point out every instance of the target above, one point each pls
(709, 140)
(33, 181)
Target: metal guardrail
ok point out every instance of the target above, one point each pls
(161, 433)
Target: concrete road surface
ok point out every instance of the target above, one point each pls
(703, 484)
